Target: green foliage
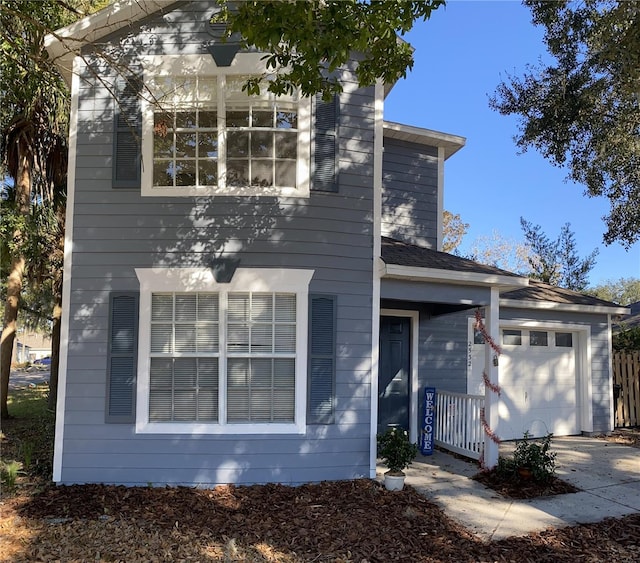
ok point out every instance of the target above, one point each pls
(556, 262)
(627, 339)
(29, 435)
(582, 111)
(313, 39)
(530, 455)
(395, 449)
(27, 449)
(623, 291)
(9, 472)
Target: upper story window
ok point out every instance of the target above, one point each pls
(203, 135)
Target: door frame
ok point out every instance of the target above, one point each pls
(414, 317)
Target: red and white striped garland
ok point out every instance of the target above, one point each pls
(479, 325)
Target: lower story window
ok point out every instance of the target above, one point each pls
(221, 358)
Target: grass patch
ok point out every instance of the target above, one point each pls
(29, 402)
(26, 439)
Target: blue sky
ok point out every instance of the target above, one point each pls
(461, 55)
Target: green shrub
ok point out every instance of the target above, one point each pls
(530, 455)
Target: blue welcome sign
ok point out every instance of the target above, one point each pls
(428, 425)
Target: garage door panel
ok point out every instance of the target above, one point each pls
(539, 388)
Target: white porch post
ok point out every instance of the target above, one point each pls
(491, 399)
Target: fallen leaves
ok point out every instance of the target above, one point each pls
(350, 521)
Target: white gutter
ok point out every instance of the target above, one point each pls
(568, 307)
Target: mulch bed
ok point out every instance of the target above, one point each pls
(516, 487)
(348, 521)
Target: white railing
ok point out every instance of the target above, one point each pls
(458, 425)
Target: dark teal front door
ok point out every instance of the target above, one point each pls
(393, 373)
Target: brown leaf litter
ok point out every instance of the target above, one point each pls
(346, 521)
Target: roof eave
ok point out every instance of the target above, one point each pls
(567, 307)
(63, 44)
(450, 143)
(415, 273)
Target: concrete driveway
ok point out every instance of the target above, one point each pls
(608, 475)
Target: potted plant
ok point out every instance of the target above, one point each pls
(533, 460)
(397, 453)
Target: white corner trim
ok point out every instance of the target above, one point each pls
(454, 276)
(378, 142)
(585, 378)
(612, 402)
(66, 282)
(201, 279)
(440, 201)
(569, 307)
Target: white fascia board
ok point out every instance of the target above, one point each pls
(568, 307)
(63, 44)
(450, 143)
(455, 277)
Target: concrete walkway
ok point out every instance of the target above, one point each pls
(608, 475)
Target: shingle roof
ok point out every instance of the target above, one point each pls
(405, 254)
(539, 291)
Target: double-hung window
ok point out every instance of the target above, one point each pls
(202, 134)
(217, 357)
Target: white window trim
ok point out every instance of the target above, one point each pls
(201, 280)
(190, 65)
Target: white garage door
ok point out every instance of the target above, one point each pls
(538, 381)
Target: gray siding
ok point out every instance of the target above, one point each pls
(116, 231)
(410, 192)
(443, 352)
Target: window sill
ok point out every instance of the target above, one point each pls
(218, 429)
(208, 191)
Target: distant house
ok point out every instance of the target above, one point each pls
(631, 320)
(30, 345)
(254, 286)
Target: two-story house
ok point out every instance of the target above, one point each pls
(254, 285)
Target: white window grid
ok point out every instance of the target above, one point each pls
(175, 101)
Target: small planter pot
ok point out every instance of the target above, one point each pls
(525, 473)
(394, 482)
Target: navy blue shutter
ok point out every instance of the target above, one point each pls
(122, 357)
(325, 153)
(127, 133)
(322, 359)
